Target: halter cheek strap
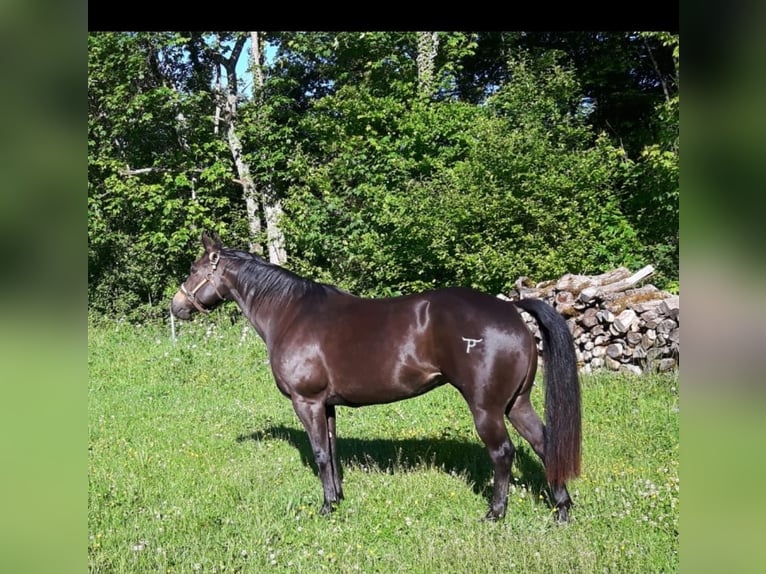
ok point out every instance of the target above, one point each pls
(192, 295)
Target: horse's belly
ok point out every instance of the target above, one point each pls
(361, 390)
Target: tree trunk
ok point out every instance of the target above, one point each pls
(428, 44)
(249, 193)
(274, 236)
(272, 206)
(227, 98)
(255, 64)
(261, 205)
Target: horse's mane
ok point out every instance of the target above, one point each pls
(263, 279)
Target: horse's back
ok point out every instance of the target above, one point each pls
(431, 323)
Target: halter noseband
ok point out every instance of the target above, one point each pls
(192, 295)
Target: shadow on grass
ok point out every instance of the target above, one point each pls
(467, 459)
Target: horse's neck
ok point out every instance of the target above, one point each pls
(255, 304)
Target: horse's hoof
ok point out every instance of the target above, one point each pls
(493, 516)
(562, 515)
(326, 509)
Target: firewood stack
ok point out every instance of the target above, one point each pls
(615, 323)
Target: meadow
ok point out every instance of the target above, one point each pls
(196, 463)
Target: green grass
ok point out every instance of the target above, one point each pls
(198, 464)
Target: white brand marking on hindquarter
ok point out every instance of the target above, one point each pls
(470, 343)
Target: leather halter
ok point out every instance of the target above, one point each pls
(192, 295)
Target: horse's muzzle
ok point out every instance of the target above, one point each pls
(181, 307)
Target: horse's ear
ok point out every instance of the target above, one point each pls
(211, 243)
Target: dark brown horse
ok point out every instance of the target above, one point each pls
(329, 348)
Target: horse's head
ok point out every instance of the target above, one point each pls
(202, 291)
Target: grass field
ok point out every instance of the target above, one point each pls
(198, 464)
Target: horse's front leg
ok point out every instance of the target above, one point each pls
(314, 416)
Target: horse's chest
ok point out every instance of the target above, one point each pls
(299, 373)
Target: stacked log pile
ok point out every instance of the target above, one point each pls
(617, 323)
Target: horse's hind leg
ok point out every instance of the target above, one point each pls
(334, 460)
(490, 425)
(525, 420)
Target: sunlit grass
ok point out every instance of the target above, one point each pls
(198, 464)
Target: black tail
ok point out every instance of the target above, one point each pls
(563, 433)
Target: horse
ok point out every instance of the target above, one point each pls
(329, 348)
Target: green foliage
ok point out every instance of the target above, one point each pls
(393, 199)
(155, 171)
(513, 166)
(653, 179)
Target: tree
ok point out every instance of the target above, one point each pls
(383, 161)
(396, 196)
(260, 202)
(271, 203)
(653, 177)
(153, 171)
(163, 116)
